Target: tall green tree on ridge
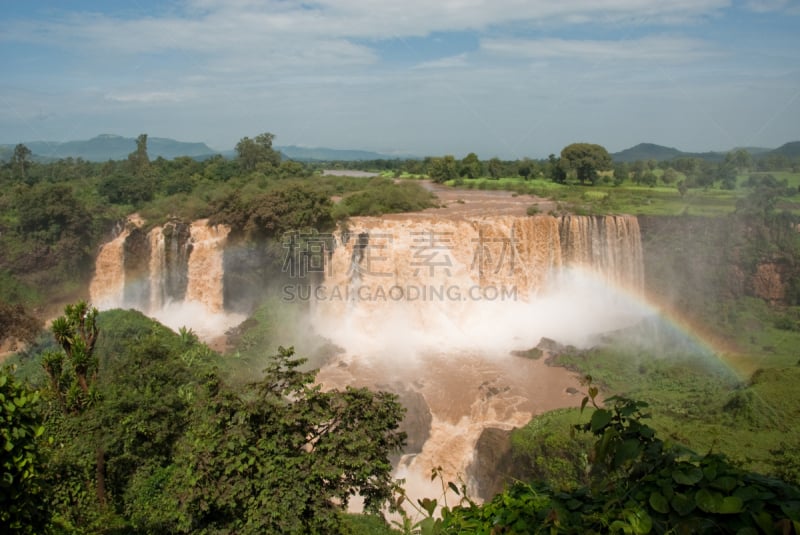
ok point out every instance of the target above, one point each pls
(586, 160)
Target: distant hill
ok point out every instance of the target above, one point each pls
(110, 147)
(310, 154)
(659, 153)
(791, 150)
(647, 151)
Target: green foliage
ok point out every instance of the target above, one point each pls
(280, 458)
(443, 169)
(253, 153)
(21, 160)
(167, 446)
(23, 498)
(122, 188)
(471, 166)
(546, 451)
(365, 525)
(48, 211)
(73, 373)
(383, 196)
(585, 160)
(271, 214)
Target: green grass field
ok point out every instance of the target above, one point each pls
(634, 199)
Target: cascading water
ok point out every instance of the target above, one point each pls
(205, 265)
(174, 274)
(426, 305)
(158, 269)
(107, 288)
(438, 305)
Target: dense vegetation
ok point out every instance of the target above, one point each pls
(133, 429)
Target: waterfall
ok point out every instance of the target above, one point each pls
(158, 269)
(173, 273)
(107, 289)
(438, 304)
(204, 283)
(609, 245)
(453, 275)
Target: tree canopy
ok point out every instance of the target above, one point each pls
(585, 160)
(162, 443)
(254, 152)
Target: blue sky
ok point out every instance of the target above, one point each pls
(507, 78)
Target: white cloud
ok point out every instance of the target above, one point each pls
(766, 6)
(655, 48)
(146, 97)
(449, 62)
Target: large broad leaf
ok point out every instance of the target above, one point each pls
(708, 501)
(600, 419)
(659, 503)
(731, 505)
(725, 483)
(683, 504)
(627, 451)
(687, 475)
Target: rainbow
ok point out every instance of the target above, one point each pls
(724, 350)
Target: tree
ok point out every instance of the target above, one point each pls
(740, 159)
(585, 160)
(76, 332)
(23, 502)
(555, 170)
(526, 168)
(495, 168)
(649, 178)
(638, 168)
(254, 152)
(621, 173)
(669, 176)
(443, 169)
(471, 166)
(21, 159)
(726, 174)
(139, 160)
(109, 460)
(73, 373)
(286, 457)
(52, 211)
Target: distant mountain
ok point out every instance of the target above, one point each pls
(310, 154)
(647, 151)
(110, 147)
(791, 150)
(660, 153)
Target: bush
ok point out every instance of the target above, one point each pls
(382, 198)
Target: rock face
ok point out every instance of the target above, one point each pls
(769, 282)
(689, 260)
(417, 422)
(491, 466)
